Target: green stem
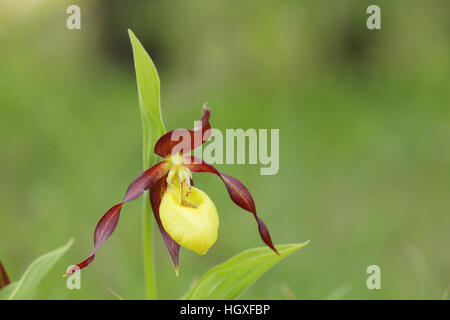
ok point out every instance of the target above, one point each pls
(149, 265)
(153, 127)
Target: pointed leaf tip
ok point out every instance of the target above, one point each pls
(232, 278)
(148, 87)
(36, 271)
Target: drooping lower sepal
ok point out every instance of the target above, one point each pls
(156, 194)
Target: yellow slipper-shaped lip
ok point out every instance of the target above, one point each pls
(192, 221)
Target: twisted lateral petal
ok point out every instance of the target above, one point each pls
(107, 224)
(194, 138)
(105, 227)
(156, 194)
(4, 280)
(237, 191)
(145, 180)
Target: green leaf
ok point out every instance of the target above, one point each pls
(153, 128)
(5, 292)
(149, 98)
(230, 279)
(35, 272)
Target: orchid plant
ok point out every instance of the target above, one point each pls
(185, 215)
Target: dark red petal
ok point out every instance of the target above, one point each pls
(107, 224)
(4, 280)
(81, 265)
(145, 180)
(175, 138)
(105, 227)
(156, 194)
(237, 191)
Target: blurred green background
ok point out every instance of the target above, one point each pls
(364, 125)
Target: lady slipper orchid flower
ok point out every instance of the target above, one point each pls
(185, 215)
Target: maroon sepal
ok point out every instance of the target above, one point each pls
(107, 224)
(175, 138)
(237, 191)
(4, 280)
(156, 194)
